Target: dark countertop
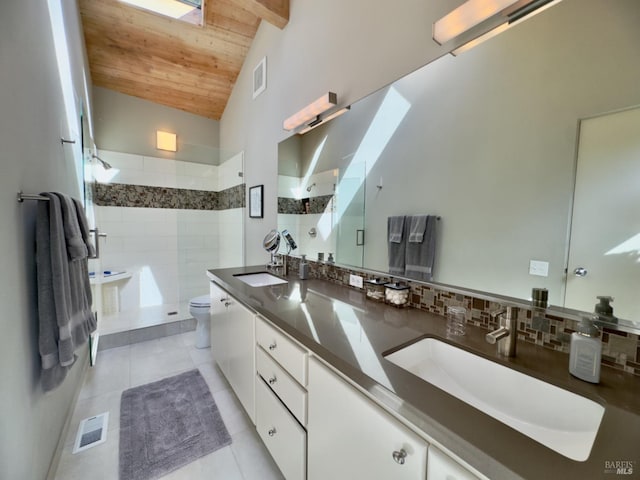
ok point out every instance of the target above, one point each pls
(351, 333)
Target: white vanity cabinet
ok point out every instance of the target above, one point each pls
(218, 336)
(281, 399)
(351, 437)
(233, 345)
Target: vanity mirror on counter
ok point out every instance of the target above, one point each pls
(490, 141)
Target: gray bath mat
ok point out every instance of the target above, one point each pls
(167, 424)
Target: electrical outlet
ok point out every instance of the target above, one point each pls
(355, 281)
(539, 268)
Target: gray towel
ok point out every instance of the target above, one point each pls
(396, 234)
(84, 228)
(76, 247)
(417, 227)
(420, 256)
(395, 229)
(64, 294)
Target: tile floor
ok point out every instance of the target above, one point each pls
(120, 368)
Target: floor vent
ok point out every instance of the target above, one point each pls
(91, 432)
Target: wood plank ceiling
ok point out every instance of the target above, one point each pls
(170, 62)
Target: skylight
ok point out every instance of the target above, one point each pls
(189, 11)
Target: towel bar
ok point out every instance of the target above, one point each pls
(30, 196)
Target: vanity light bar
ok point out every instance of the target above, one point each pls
(466, 16)
(311, 111)
(505, 26)
(319, 121)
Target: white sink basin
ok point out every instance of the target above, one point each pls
(261, 279)
(557, 418)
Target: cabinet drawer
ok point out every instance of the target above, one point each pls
(284, 351)
(285, 439)
(289, 391)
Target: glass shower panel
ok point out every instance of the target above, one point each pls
(210, 214)
(349, 217)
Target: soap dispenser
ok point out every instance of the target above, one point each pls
(304, 268)
(586, 351)
(604, 310)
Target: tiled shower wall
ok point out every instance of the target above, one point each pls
(167, 222)
(620, 350)
(293, 216)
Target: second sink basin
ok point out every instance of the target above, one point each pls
(260, 279)
(559, 419)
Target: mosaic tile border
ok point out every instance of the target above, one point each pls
(295, 206)
(620, 350)
(144, 196)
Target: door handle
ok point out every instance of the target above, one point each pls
(96, 240)
(580, 272)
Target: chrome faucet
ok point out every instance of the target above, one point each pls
(507, 333)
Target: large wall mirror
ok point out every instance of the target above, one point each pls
(490, 142)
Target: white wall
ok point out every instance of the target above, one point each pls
(350, 48)
(32, 159)
(128, 124)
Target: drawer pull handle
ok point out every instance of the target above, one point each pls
(272, 432)
(224, 299)
(272, 346)
(227, 304)
(399, 456)
(273, 380)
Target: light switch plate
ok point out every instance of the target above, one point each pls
(539, 268)
(355, 281)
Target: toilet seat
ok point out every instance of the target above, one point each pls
(203, 301)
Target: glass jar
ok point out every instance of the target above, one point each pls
(456, 320)
(375, 289)
(397, 294)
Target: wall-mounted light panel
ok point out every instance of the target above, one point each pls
(166, 141)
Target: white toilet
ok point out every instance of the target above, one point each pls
(200, 308)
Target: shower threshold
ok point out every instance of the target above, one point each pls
(145, 323)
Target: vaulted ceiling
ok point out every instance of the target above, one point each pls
(168, 61)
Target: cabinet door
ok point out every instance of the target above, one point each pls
(443, 467)
(218, 327)
(350, 437)
(238, 327)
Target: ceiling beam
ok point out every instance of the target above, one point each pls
(276, 12)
